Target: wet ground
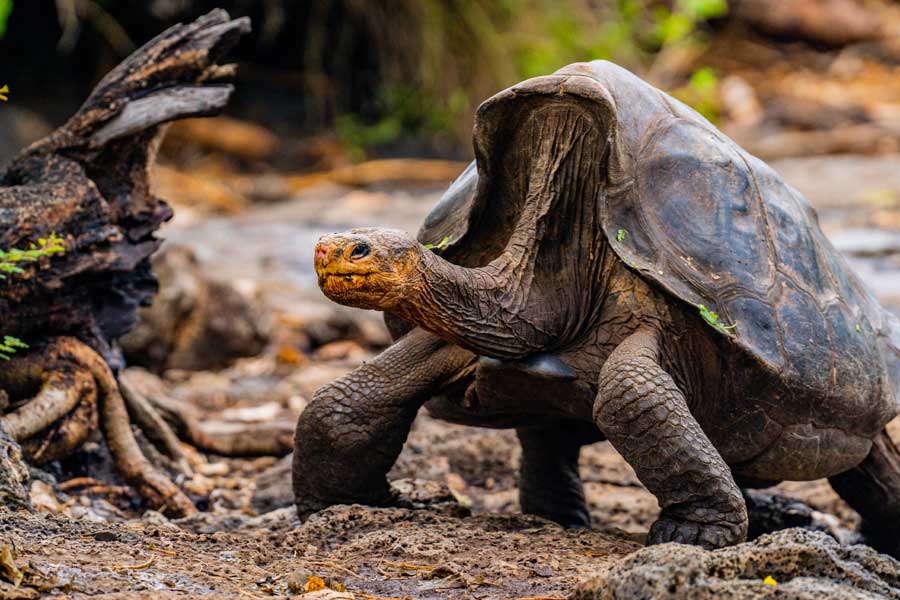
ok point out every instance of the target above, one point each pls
(468, 540)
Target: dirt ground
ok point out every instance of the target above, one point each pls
(465, 542)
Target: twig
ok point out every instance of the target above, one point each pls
(78, 482)
(138, 567)
(163, 550)
(332, 565)
(398, 565)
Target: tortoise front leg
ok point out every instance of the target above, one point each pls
(646, 418)
(353, 430)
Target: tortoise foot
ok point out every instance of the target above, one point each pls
(710, 533)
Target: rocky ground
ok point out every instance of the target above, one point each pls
(243, 284)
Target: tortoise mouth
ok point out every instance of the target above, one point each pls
(345, 283)
(345, 273)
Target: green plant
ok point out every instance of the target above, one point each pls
(9, 263)
(9, 345)
(713, 319)
(439, 246)
(702, 93)
(437, 56)
(6, 7)
(10, 259)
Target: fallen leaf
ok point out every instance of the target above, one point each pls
(314, 584)
(8, 568)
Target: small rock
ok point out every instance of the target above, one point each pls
(341, 350)
(157, 519)
(43, 498)
(273, 488)
(252, 414)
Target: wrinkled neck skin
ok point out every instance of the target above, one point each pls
(482, 309)
(505, 309)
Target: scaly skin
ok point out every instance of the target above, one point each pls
(549, 483)
(353, 430)
(646, 418)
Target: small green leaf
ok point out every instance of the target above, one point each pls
(713, 319)
(858, 327)
(620, 235)
(9, 345)
(440, 246)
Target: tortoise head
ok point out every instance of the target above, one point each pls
(369, 268)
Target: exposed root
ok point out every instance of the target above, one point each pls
(67, 434)
(58, 396)
(75, 385)
(13, 474)
(154, 426)
(257, 439)
(130, 461)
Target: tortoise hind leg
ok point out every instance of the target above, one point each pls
(872, 488)
(549, 483)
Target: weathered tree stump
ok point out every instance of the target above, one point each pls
(88, 183)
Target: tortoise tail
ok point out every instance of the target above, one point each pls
(872, 489)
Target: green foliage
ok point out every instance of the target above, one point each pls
(440, 246)
(702, 93)
(620, 235)
(10, 259)
(405, 111)
(713, 319)
(444, 55)
(9, 345)
(6, 7)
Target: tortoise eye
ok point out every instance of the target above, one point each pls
(360, 251)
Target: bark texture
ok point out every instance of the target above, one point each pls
(89, 182)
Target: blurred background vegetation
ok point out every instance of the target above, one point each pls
(381, 75)
(364, 78)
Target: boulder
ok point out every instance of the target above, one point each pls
(792, 563)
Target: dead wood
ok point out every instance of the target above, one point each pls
(88, 184)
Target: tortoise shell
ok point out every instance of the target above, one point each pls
(708, 224)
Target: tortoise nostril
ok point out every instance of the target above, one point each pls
(360, 251)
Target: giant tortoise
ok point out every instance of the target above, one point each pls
(613, 267)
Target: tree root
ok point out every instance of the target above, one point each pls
(66, 435)
(60, 393)
(71, 377)
(73, 392)
(258, 439)
(154, 427)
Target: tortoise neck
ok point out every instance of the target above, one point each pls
(478, 308)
